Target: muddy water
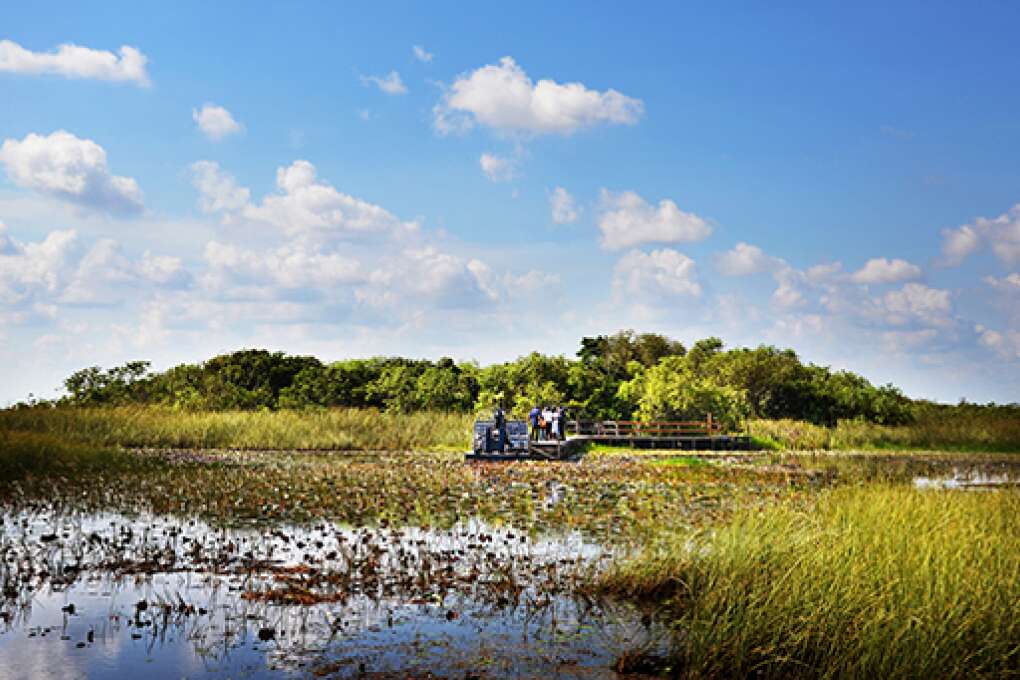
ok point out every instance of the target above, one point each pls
(114, 596)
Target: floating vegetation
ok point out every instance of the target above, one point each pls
(384, 564)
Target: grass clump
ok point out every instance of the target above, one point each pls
(24, 454)
(334, 429)
(873, 581)
(942, 429)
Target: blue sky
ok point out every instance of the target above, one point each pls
(204, 177)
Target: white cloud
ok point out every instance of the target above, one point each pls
(1002, 233)
(105, 275)
(43, 277)
(421, 54)
(444, 279)
(1005, 343)
(639, 277)
(564, 207)
(1008, 283)
(787, 294)
(218, 190)
(291, 266)
(504, 98)
(389, 83)
(302, 206)
(626, 219)
(745, 259)
(69, 168)
(161, 269)
(30, 268)
(498, 168)
(215, 122)
(915, 301)
(881, 270)
(73, 61)
(821, 273)
(957, 244)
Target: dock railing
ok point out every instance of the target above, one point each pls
(634, 428)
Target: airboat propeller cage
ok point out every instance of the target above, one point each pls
(513, 438)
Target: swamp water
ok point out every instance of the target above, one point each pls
(108, 595)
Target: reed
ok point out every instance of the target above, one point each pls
(945, 430)
(333, 429)
(24, 454)
(869, 581)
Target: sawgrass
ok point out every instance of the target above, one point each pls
(333, 429)
(933, 432)
(24, 454)
(868, 581)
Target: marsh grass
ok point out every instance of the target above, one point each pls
(966, 431)
(869, 581)
(332, 429)
(44, 455)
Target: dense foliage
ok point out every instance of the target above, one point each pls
(622, 376)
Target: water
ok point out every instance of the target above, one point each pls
(108, 595)
(968, 478)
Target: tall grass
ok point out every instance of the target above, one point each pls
(963, 431)
(874, 581)
(24, 454)
(337, 429)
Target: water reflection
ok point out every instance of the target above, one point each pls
(109, 595)
(968, 478)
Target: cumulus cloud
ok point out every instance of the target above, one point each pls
(918, 302)
(41, 277)
(421, 54)
(1009, 283)
(745, 259)
(625, 219)
(881, 270)
(218, 191)
(69, 168)
(100, 276)
(301, 206)
(30, 268)
(666, 273)
(787, 294)
(293, 265)
(162, 269)
(74, 61)
(215, 122)
(497, 168)
(502, 97)
(1005, 343)
(1001, 233)
(563, 206)
(389, 83)
(428, 274)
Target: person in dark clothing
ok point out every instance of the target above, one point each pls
(561, 423)
(499, 428)
(533, 416)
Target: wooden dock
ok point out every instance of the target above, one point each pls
(702, 435)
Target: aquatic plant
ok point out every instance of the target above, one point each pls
(873, 581)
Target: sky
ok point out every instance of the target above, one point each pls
(420, 179)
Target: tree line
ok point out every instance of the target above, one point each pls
(625, 376)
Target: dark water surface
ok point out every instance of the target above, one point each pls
(105, 596)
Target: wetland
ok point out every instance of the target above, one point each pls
(253, 563)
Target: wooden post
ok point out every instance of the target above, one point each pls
(710, 424)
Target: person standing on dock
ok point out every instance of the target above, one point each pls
(557, 424)
(533, 416)
(547, 418)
